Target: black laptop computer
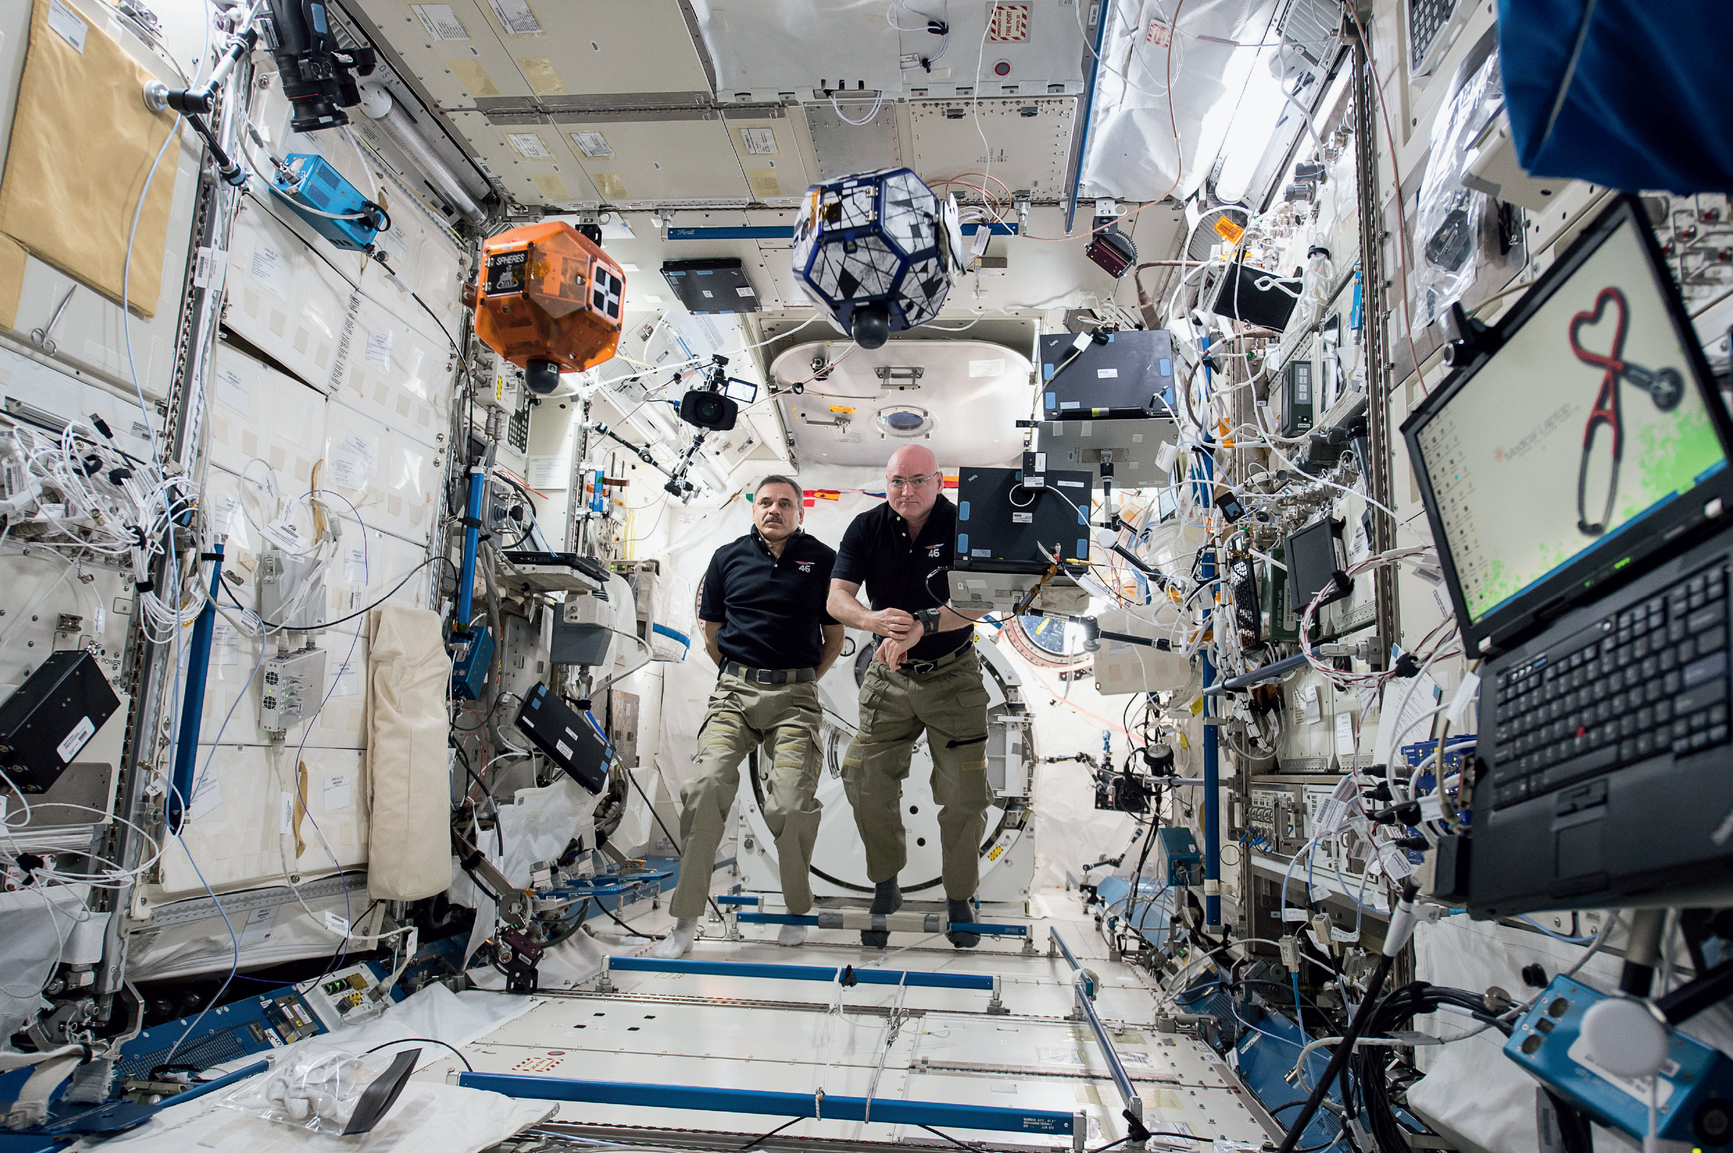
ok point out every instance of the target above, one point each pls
(1576, 478)
(1010, 523)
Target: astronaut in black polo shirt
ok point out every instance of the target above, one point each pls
(926, 678)
(765, 626)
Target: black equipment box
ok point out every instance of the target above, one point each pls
(1130, 374)
(710, 286)
(567, 736)
(52, 716)
(1240, 298)
(1003, 524)
(1314, 556)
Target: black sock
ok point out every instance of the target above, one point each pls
(887, 899)
(961, 913)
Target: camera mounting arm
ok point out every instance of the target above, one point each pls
(642, 452)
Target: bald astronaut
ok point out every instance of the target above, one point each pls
(926, 679)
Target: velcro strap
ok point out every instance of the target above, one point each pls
(144, 586)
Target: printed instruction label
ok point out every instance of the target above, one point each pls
(529, 145)
(378, 354)
(282, 534)
(759, 141)
(1107, 374)
(339, 793)
(336, 924)
(440, 21)
(1345, 734)
(516, 17)
(233, 391)
(269, 269)
(76, 739)
(983, 368)
(69, 24)
(348, 469)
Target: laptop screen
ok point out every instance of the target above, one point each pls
(1578, 441)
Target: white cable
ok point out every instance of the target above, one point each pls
(877, 104)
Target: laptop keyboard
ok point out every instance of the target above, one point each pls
(1649, 679)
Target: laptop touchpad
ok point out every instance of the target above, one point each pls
(1578, 846)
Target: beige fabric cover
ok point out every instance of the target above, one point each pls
(408, 773)
(82, 145)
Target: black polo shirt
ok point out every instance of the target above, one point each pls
(771, 608)
(877, 552)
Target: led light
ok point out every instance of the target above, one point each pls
(1260, 107)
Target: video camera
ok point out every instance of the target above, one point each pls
(715, 404)
(318, 73)
(1129, 790)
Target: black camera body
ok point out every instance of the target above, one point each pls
(706, 409)
(318, 74)
(715, 404)
(1122, 792)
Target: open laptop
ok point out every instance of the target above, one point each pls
(1575, 475)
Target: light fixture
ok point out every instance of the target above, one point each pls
(878, 251)
(1248, 138)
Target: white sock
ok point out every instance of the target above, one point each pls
(792, 935)
(678, 941)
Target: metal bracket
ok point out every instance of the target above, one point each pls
(901, 378)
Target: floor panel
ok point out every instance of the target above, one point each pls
(801, 1036)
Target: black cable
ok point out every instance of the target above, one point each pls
(614, 917)
(1344, 1048)
(947, 1137)
(672, 840)
(498, 833)
(767, 1136)
(425, 1040)
(482, 724)
(351, 616)
(572, 929)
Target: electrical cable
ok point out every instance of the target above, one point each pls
(615, 918)
(367, 609)
(458, 1053)
(672, 839)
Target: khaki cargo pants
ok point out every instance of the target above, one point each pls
(783, 721)
(950, 705)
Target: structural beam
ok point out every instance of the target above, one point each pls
(817, 1105)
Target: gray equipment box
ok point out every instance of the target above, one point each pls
(1130, 374)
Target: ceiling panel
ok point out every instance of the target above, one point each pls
(602, 46)
(769, 152)
(1028, 140)
(844, 148)
(661, 160)
(458, 71)
(508, 151)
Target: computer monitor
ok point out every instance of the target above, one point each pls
(1005, 525)
(1583, 440)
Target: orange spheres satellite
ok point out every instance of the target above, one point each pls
(547, 299)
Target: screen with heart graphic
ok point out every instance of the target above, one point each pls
(1586, 421)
